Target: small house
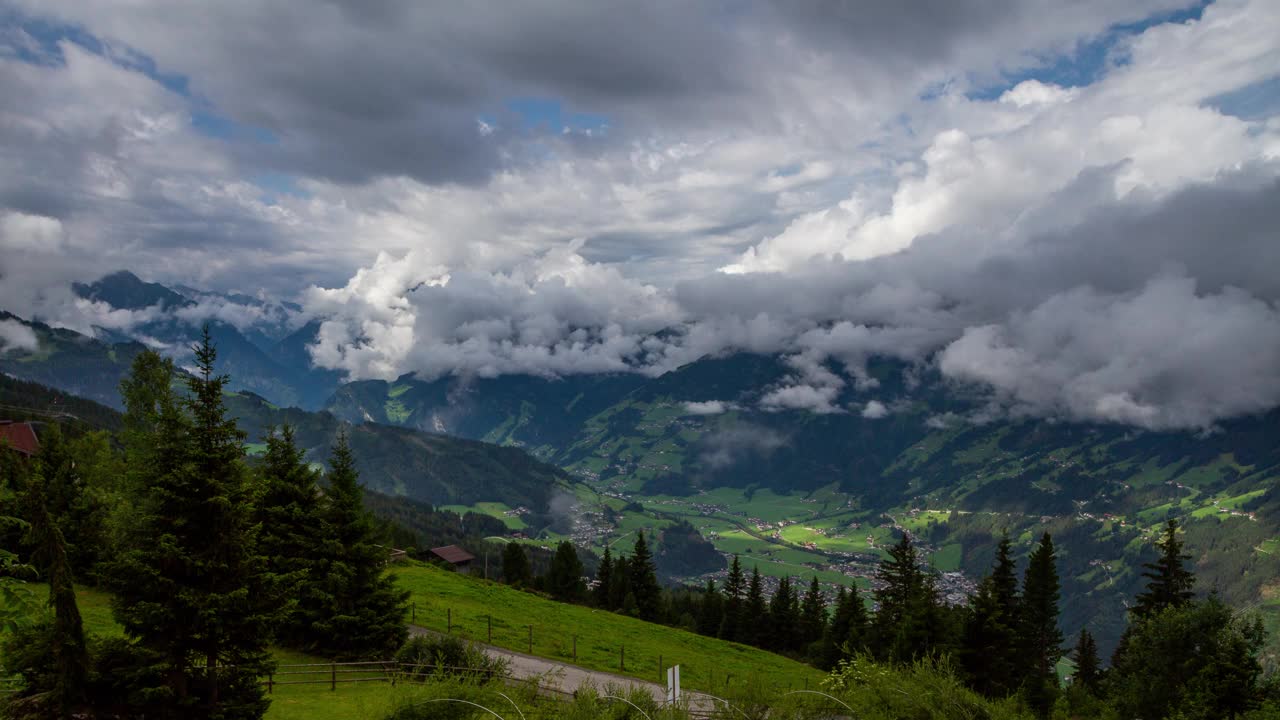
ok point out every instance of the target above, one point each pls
(19, 437)
(460, 560)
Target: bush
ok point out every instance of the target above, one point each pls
(445, 655)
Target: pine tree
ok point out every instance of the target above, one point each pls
(292, 532)
(1004, 581)
(644, 581)
(783, 618)
(1088, 673)
(813, 614)
(364, 614)
(620, 585)
(754, 612)
(564, 578)
(1170, 583)
(1039, 637)
(711, 615)
(604, 578)
(189, 585)
(988, 644)
(67, 646)
(735, 587)
(76, 509)
(909, 623)
(847, 633)
(989, 647)
(515, 565)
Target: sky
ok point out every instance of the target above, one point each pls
(1070, 206)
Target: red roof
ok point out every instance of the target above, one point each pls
(19, 436)
(453, 554)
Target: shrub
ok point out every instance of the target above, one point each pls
(445, 655)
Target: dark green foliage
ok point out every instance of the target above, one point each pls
(1039, 638)
(784, 618)
(910, 622)
(425, 656)
(711, 614)
(1169, 582)
(361, 613)
(989, 650)
(604, 581)
(684, 552)
(293, 533)
(1197, 661)
(754, 612)
(63, 683)
(1088, 674)
(564, 579)
(189, 587)
(643, 581)
(735, 589)
(417, 526)
(813, 615)
(515, 565)
(846, 636)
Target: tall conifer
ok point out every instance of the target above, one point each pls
(1040, 639)
(644, 581)
(365, 613)
(1169, 582)
(189, 585)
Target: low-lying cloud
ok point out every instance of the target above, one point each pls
(729, 446)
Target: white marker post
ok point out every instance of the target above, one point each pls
(673, 684)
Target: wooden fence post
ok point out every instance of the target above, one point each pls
(333, 677)
(448, 621)
(660, 667)
(530, 639)
(490, 617)
(270, 682)
(622, 658)
(414, 619)
(575, 649)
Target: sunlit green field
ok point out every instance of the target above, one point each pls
(706, 663)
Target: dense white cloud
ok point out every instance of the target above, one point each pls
(16, 336)
(872, 182)
(1164, 356)
(874, 410)
(708, 407)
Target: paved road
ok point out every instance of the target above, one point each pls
(569, 678)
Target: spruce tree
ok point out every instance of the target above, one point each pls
(364, 614)
(70, 655)
(1039, 637)
(735, 588)
(515, 565)
(813, 614)
(909, 623)
(189, 585)
(1169, 582)
(847, 633)
(711, 614)
(564, 578)
(1088, 674)
(292, 532)
(644, 581)
(783, 618)
(604, 577)
(754, 612)
(620, 585)
(988, 644)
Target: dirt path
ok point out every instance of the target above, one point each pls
(569, 678)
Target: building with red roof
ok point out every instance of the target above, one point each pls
(20, 437)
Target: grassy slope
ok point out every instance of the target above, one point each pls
(601, 635)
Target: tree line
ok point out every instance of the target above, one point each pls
(208, 559)
(1181, 656)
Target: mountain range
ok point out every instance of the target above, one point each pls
(919, 453)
